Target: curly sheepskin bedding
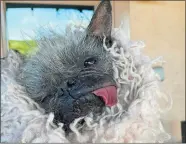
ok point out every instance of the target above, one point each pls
(136, 118)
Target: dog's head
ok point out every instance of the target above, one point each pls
(73, 76)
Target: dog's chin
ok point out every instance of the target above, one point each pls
(69, 109)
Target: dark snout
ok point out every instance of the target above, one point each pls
(77, 97)
(82, 85)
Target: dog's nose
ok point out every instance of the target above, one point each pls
(71, 82)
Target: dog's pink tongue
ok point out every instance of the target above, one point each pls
(109, 95)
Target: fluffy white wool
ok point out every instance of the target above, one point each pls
(136, 117)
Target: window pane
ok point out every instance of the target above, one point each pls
(22, 23)
(25, 20)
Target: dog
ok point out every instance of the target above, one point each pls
(72, 75)
(100, 86)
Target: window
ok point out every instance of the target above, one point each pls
(8, 28)
(23, 20)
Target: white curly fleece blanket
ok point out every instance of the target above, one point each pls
(136, 117)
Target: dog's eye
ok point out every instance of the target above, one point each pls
(90, 61)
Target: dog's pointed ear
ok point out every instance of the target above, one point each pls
(101, 22)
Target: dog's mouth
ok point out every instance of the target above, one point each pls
(103, 87)
(106, 90)
(108, 94)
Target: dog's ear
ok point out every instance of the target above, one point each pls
(101, 22)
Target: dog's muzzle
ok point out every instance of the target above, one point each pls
(82, 95)
(103, 86)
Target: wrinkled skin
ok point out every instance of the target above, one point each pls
(65, 71)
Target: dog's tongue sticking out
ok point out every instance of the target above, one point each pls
(109, 95)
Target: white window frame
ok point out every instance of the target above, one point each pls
(4, 40)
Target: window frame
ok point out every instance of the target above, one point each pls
(116, 18)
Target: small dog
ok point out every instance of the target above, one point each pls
(72, 75)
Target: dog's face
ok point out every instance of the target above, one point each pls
(73, 76)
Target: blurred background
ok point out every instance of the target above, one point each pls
(160, 24)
